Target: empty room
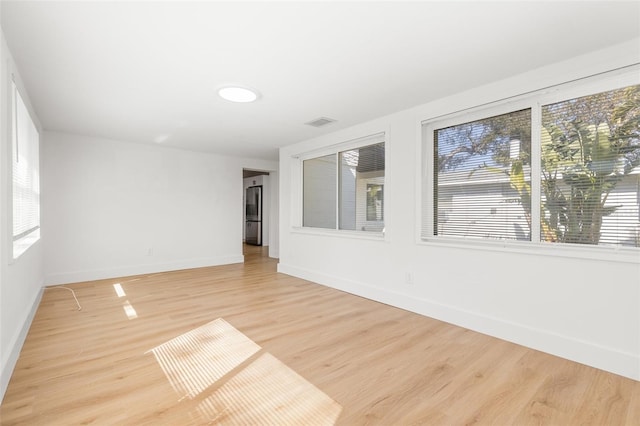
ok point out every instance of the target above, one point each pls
(320, 213)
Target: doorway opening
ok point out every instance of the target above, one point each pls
(257, 208)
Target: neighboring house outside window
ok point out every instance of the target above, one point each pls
(478, 166)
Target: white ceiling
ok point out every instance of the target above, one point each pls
(148, 72)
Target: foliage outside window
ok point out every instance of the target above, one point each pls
(589, 170)
(337, 188)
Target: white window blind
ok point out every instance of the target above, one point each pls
(319, 192)
(589, 178)
(345, 189)
(26, 178)
(482, 178)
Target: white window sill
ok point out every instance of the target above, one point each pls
(602, 253)
(341, 233)
(22, 245)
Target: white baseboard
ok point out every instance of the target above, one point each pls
(151, 268)
(588, 353)
(274, 253)
(9, 363)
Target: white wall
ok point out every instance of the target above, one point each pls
(20, 280)
(113, 208)
(587, 310)
(274, 214)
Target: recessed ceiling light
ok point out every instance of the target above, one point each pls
(238, 94)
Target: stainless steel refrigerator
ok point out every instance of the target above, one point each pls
(253, 209)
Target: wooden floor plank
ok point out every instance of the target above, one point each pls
(321, 357)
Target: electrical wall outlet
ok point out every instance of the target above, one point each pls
(408, 278)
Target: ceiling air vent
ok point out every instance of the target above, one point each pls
(319, 122)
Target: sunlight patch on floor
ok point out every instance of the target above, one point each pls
(195, 360)
(231, 379)
(269, 392)
(119, 290)
(129, 310)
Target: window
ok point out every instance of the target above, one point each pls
(483, 177)
(582, 188)
(26, 178)
(344, 189)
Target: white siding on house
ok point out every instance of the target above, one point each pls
(626, 196)
(498, 213)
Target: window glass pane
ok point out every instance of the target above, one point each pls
(375, 202)
(590, 174)
(25, 177)
(361, 188)
(319, 192)
(482, 178)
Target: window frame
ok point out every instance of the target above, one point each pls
(463, 118)
(298, 186)
(535, 100)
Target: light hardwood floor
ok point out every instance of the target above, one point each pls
(242, 344)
